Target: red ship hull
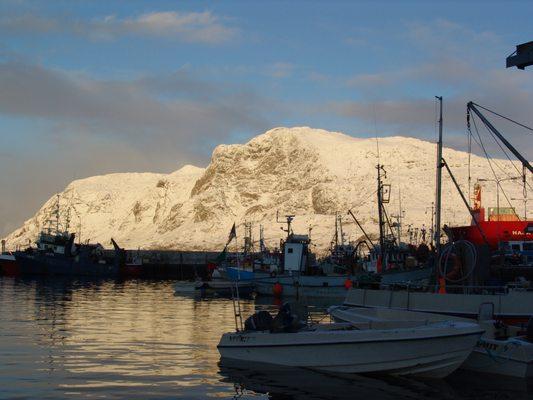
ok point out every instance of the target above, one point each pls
(495, 232)
(9, 266)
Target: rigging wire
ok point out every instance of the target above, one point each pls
(504, 117)
(366, 199)
(376, 130)
(520, 173)
(490, 165)
(469, 157)
(481, 146)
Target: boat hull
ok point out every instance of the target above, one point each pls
(9, 266)
(131, 270)
(510, 358)
(63, 266)
(308, 286)
(224, 287)
(411, 353)
(237, 274)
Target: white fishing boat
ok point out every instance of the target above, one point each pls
(501, 350)
(370, 345)
(302, 285)
(512, 305)
(511, 356)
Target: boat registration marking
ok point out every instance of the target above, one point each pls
(240, 338)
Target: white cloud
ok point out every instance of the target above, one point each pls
(201, 27)
(280, 69)
(198, 27)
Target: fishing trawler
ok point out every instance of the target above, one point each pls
(250, 265)
(300, 274)
(58, 254)
(391, 261)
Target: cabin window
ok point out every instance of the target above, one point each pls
(528, 246)
(516, 247)
(289, 250)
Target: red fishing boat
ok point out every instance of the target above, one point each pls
(501, 228)
(9, 265)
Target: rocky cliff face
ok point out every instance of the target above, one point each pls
(308, 172)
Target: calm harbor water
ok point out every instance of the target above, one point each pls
(72, 339)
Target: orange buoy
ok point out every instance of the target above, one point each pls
(348, 284)
(277, 289)
(442, 285)
(379, 264)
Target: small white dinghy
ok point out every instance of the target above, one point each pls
(370, 345)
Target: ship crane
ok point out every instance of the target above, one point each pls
(522, 57)
(473, 109)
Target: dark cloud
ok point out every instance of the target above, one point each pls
(177, 106)
(89, 126)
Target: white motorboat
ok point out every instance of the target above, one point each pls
(512, 305)
(501, 350)
(224, 287)
(217, 285)
(370, 345)
(511, 356)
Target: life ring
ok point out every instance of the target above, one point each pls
(457, 271)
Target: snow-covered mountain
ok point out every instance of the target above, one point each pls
(311, 173)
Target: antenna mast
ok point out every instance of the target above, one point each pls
(438, 181)
(289, 219)
(380, 213)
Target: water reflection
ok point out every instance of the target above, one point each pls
(284, 383)
(108, 339)
(61, 338)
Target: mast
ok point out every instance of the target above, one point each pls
(261, 239)
(336, 230)
(340, 229)
(380, 214)
(399, 216)
(438, 181)
(57, 215)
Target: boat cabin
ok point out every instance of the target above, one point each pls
(521, 250)
(295, 252)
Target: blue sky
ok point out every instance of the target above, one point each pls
(96, 87)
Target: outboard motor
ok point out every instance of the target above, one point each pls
(260, 321)
(291, 317)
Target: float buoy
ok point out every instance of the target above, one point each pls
(348, 284)
(442, 285)
(277, 289)
(379, 264)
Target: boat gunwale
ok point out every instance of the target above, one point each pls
(243, 344)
